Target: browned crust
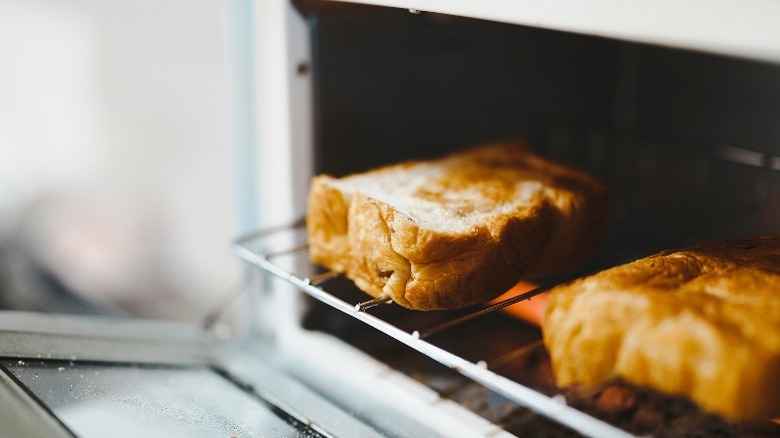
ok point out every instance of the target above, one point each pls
(702, 322)
(387, 253)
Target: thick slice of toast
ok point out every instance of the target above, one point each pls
(701, 322)
(460, 230)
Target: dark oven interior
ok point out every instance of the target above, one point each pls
(688, 144)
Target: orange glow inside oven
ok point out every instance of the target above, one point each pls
(532, 310)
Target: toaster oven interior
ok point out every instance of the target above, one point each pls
(686, 142)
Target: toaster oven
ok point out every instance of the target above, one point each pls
(672, 104)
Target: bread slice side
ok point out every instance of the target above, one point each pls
(702, 322)
(456, 231)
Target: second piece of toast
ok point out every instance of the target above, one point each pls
(702, 322)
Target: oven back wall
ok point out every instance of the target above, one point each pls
(391, 85)
(685, 141)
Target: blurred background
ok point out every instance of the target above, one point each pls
(117, 185)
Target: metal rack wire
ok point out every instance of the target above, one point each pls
(256, 250)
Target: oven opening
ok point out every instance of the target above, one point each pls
(678, 138)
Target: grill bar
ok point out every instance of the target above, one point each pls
(554, 408)
(297, 249)
(514, 355)
(498, 306)
(319, 279)
(365, 305)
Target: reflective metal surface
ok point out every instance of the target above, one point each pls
(118, 400)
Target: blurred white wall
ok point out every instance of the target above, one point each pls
(116, 158)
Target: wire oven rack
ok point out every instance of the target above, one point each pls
(264, 248)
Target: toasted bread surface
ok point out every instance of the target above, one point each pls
(460, 230)
(702, 322)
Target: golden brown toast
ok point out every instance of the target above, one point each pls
(460, 230)
(702, 322)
